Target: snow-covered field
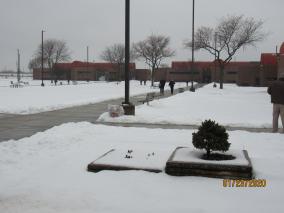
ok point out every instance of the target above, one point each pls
(47, 173)
(34, 98)
(232, 106)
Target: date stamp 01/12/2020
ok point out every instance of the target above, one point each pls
(244, 183)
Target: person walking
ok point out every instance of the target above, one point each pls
(162, 86)
(172, 84)
(276, 90)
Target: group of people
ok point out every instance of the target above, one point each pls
(143, 81)
(162, 86)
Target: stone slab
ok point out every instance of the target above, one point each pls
(104, 163)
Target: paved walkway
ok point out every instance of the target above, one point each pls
(180, 126)
(20, 126)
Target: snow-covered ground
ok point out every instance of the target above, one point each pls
(34, 98)
(47, 173)
(232, 106)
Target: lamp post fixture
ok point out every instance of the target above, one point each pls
(42, 84)
(192, 89)
(129, 109)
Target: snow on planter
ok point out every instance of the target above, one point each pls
(116, 159)
(187, 162)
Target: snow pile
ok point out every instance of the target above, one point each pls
(194, 156)
(233, 106)
(47, 173)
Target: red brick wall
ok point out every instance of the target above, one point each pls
(280, 64)
(85, 71)
(37, 74)
(142, 74)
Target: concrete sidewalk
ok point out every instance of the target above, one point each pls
(20, 126)
(179, 126)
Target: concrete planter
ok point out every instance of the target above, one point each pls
(191, 165)
(114, 160)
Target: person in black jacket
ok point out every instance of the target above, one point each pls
(276, 90)
(162, 86)
(172, 84)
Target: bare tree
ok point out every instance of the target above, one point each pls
(34, 63)
(153, 50)
(54, 51)
(115, 54)
(231, 34)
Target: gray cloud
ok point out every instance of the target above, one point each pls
(98, 23)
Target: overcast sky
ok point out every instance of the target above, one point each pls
(100, 23)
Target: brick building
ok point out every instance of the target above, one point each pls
(243, 73)
(85, 71)
(280, 60)
(268, 69)
(142, 74)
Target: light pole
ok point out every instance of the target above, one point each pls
(215, 44)
(42, 84)
(127, 38)
(192, 89)
(129, 109)
(19, 67)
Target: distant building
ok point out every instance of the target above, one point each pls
(280, 60)
(202, 71)
(84, 71)
(142, 74)
(268, 68)
(243, 73)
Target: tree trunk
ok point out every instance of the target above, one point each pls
(119, 71)
(221, 76)
(52, 76)
(152, 76)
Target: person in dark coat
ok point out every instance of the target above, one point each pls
(172, 84)
(276, 90)
(162, 86)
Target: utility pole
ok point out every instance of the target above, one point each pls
(19, 67)
(192, 89)
(87, 54)
(129, 109)
(215, 54)
(42, 84)
(127, 38)
(88, 63)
